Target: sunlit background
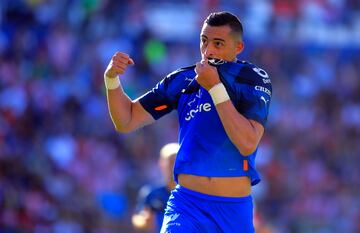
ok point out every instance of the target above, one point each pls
(64, 169)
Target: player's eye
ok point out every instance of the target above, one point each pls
(218, 44)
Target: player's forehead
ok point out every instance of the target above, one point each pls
(214, 32)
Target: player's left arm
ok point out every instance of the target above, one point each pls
(244, 133)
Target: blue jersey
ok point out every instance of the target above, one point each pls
(205, 148)
(154, 198)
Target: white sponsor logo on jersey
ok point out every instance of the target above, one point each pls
(263, 89)
(206, 107)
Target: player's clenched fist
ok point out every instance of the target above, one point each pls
(118, 64)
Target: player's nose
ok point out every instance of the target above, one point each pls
(208, 52)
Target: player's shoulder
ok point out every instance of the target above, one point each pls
(253, 75)
(245, 76)
(177, 80)
(181, 72)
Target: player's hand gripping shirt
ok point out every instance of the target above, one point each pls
(205, 148)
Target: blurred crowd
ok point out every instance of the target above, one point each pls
(64, 169)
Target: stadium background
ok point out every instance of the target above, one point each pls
(63, 168)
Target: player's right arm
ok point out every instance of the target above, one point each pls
(127, 115)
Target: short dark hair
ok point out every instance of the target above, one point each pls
(226, 18)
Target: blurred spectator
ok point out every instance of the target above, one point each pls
(152, 198)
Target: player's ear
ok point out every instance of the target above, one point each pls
(239, 47)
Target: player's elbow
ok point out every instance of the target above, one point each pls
(247, 151)
(122, 129)
(248, 143)
(247, 148)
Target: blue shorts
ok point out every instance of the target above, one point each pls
(193, 212)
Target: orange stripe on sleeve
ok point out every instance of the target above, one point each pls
(161, 107)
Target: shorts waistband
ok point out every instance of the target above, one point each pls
(182, 189)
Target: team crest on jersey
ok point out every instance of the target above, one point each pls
(197, 96)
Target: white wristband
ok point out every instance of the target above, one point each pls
(219, 94)
(111, 83)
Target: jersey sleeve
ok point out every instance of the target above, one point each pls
(162, 99)
(253, 102)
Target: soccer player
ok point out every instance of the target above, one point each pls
(152, 200)
(221, 123)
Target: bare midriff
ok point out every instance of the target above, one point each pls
(217, 186)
